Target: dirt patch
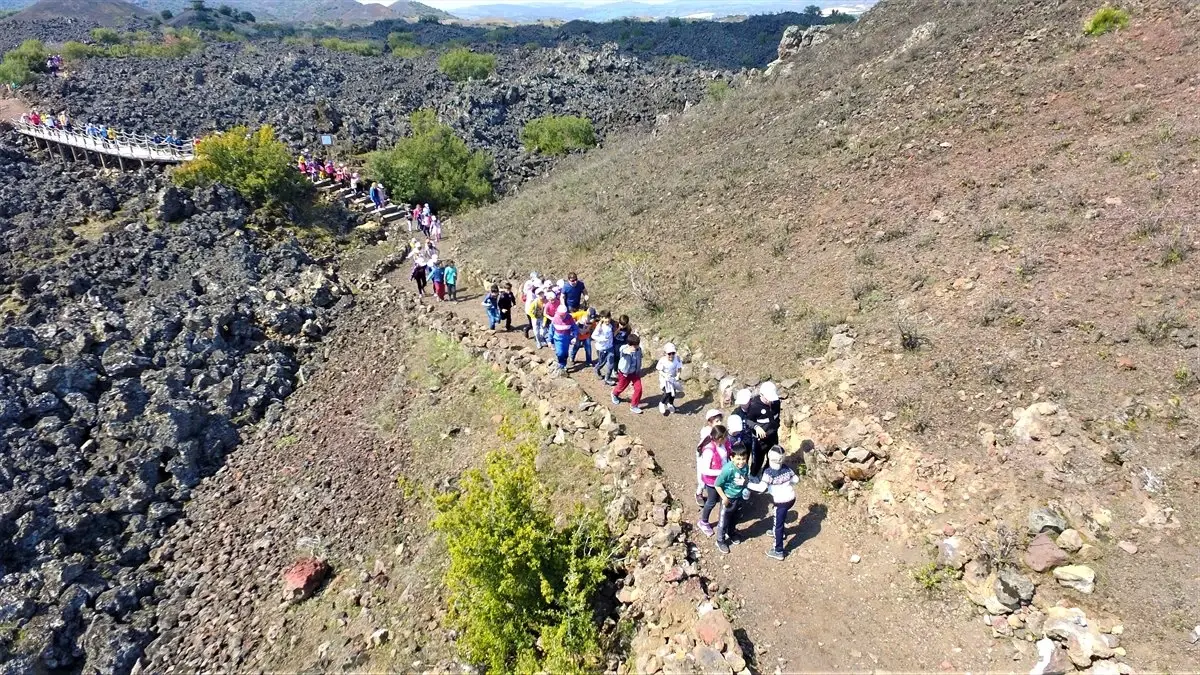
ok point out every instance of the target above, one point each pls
(12, 108)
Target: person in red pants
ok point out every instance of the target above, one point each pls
(629, 371)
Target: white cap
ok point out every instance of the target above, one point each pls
(768, 392)
(775, 457)
(669, 348)
(742, 397)
(550, 295)
(713, 414)
(734, 426)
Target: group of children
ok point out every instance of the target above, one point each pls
(734, 458)
(426, 221)
(729, 466)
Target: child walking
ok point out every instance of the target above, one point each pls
(451, 276)
(506, 302)
(730, 485)
(563, 329)
(711, 457)
(492, 307)
(602, 341)
(629, 371)
(779, 481)
(587, 321)
(418, 275)
(669, 367)
(711, 419)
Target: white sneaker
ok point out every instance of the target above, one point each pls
(662, 408)
(670, 408)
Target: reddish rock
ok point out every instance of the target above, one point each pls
(674, 574)
(1043, 554)
(304, 577)
(1126, 363)
(713, 628)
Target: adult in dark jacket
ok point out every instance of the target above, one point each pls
(764, 411)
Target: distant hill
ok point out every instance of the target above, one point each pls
(307, 11)
(702, 9)
(103, 12)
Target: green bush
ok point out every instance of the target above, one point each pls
(435, 166)
(403, 46)
(167, 15)
(521, 591)
(175, 44)
(1106, 19)
(430, 18)
(360, 47)
(558, 135)
(77, 51)
(106, 36)
(21, 65)
(718, 90)
(253, 163)
(463, 64)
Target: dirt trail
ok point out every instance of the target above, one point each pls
(815, 611)
(11, 108)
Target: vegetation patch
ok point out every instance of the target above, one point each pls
(402, 45)
(558, 134)
(462, 64)
(435, 166)
(23, 64)
(253, 163)
(1106, 20)
(111, 44)
(360, 47)
(521, 589)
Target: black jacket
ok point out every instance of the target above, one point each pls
(763, 414)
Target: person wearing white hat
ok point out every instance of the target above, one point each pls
(779, 481)
(763, 418)
(669, 367)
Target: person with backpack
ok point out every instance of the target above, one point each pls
(629, 371)
(437, 274)
(534, 304)
(712, 418)
(563, 330)
(669, 368)
(491, 305)
(418, 275)
(602, 341)
(711, 456)
(587, 322)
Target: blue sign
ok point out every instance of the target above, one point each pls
(326, 139)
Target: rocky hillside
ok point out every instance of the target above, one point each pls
(365, 101)
(141, 327)
(100, 12)
(997, 205)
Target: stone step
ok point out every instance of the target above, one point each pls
(391, 217)
(323, 184)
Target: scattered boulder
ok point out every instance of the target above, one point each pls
(1046, 520)
(304, 577)
(1079, 577)
(1043, 554)
(1083, 639)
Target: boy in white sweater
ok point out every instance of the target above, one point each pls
(779, 481)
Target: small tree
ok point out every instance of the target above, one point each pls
(462, 64)
(246, 17)
(167, 15)
(253, 163)
(199, 7)
(225, 10)
(434, 165)
(558, 135)
(521, 590)
(21, 65)
(812, 10)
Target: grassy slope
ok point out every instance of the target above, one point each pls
(1062, 164)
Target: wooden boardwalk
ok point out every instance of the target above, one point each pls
(125, 147)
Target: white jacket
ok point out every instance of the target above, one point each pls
(668, 374)
(602, 336)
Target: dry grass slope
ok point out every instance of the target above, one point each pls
(998, 203)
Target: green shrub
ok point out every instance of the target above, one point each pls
(462, 64)
(360, 47)
(106, 36)
(167, 15)
(403, 46)
(521, 590)
(678, 59)
(430, 18)
(1106, 19)
(77, 51)
(558, 135)
(21, 65)
(433, 165)
(253, 163)
(718, 90)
